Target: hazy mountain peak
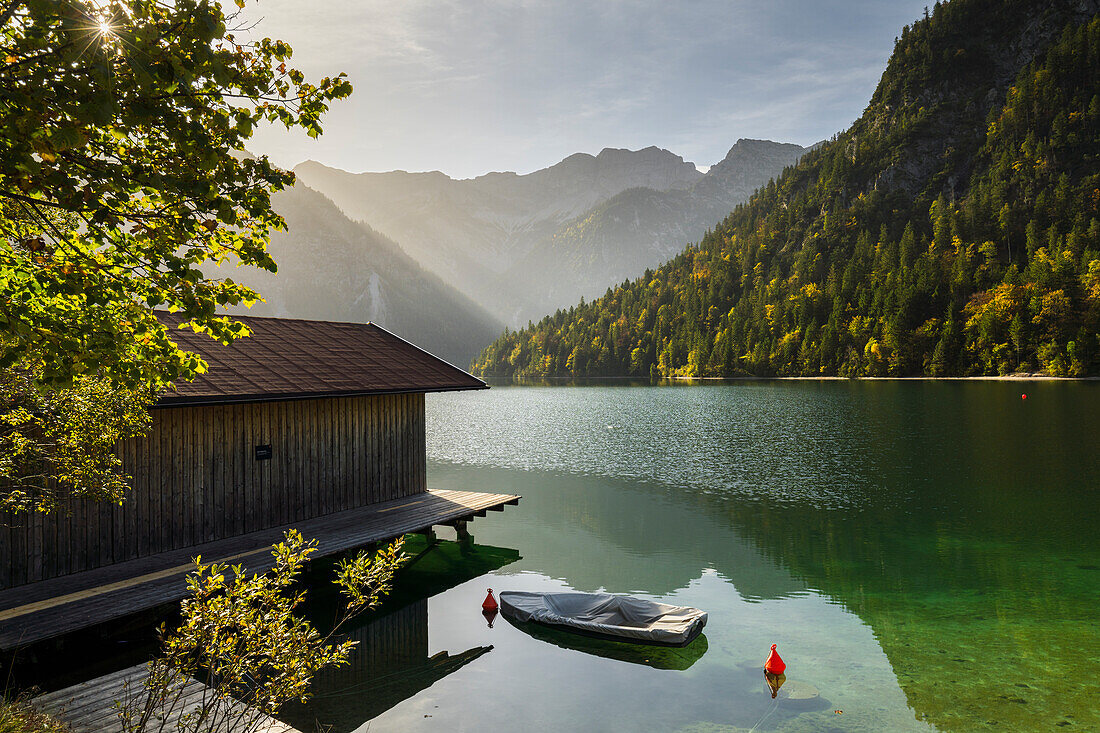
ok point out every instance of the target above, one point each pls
(751, 147)
(648, 152)
(574, 158)
(748, 158)
(651, 167)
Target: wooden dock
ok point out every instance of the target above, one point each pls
(50, 608)
(94, 706)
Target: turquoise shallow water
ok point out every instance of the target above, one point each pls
(925, 555)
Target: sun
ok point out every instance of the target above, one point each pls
(105, 28)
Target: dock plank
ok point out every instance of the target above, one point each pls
(51, 608)
(92, 706)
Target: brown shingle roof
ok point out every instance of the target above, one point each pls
(291, 359)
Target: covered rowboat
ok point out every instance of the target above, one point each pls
(620, 618)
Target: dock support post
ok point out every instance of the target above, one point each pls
(462, 530)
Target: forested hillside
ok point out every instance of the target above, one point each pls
(954, 229)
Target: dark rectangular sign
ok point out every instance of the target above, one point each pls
(263, 453)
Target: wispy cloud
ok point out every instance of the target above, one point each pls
(472, 85)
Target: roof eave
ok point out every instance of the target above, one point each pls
(238, 399)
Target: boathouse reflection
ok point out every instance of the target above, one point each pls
(390, 665)
(391, 662)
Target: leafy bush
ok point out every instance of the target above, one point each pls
(240, 636)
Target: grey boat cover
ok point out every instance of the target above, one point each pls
(606, 614)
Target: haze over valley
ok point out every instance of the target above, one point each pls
(334, 269)
(519, 246)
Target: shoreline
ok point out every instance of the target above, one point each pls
(999, 378)
(691, 380)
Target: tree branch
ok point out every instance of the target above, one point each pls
(7, 68)
(30, 200)
(30, 205)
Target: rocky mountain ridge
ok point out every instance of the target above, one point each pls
(522, 245)
(491, 213)
(641, 227)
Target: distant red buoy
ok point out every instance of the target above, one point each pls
(775, 665)
(1023, 397)
(490, 603)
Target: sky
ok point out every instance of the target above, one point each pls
(472, 86)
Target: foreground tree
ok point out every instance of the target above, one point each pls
(241, 637)
(122, 181)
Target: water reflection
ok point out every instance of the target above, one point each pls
(658, 657)
(927, 552)
(391, 664)
(775, 681)
(621, 536)
(591, 534)
(392, 661)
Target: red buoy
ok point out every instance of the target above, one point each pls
(490, 615)
(490, 603)
(1023, 397)
(775, 664)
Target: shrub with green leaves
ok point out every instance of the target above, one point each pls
(241, 635)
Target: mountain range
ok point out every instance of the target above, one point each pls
(954, 229)
(641, 227)
(522, 245)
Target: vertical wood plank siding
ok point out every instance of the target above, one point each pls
(196, 479)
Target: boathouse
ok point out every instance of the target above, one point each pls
(307, 424)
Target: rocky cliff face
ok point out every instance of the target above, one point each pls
(949, 99)
(748, 165)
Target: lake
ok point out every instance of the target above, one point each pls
(925, 555)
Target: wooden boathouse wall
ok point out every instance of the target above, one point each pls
(198, 478)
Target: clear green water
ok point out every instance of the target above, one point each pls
(925, 555)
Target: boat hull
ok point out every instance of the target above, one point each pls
(606, 616)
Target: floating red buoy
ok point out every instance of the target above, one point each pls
(775, 665)
(1023, 397)
(490, 603)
